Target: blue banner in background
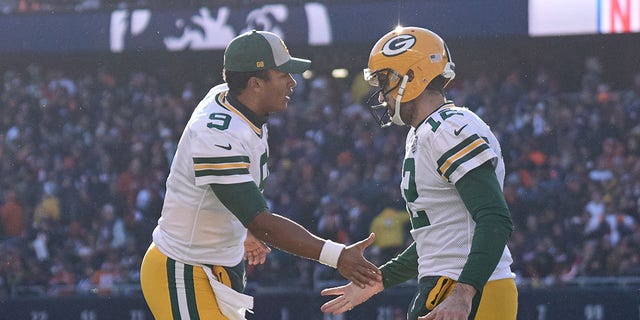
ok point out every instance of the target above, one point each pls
(63, 32)
(211, 28)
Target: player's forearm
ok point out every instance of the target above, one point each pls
(278, 231)
(401, 268)
(286, 235)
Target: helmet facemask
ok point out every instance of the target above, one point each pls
(386, 80)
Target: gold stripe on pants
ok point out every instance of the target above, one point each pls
(174, 290)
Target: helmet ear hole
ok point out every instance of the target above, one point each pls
(410, 75)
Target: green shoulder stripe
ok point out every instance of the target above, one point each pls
(221, 159)
(221, 166)
(461, 153)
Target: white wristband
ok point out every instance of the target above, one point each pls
(331, 253)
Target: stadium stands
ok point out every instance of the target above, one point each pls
(84, 155)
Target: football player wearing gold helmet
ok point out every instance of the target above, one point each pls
(452, 179)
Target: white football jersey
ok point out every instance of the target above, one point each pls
(219, 145)
(447, 145)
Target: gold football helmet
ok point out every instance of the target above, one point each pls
(402, 63)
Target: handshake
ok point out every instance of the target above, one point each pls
(366, 278)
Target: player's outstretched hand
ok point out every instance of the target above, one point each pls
(255, 251)
(354, 267)
(349, 296)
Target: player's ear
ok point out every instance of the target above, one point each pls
(252, 82)
(255, 83)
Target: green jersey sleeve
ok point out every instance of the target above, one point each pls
(244, 200)
(482, 195)
(401, 268)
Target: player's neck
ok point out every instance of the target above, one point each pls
(426, 104)
(252, 102)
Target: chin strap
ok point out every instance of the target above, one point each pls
(396, 119)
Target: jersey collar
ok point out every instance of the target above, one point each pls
(448, 102)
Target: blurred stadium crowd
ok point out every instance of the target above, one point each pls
(83, 160)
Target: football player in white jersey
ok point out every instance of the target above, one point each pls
(452, 179)
(194, 268)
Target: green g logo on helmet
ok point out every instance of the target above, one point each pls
(398, 45)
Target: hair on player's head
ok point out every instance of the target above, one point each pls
(237, 81)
